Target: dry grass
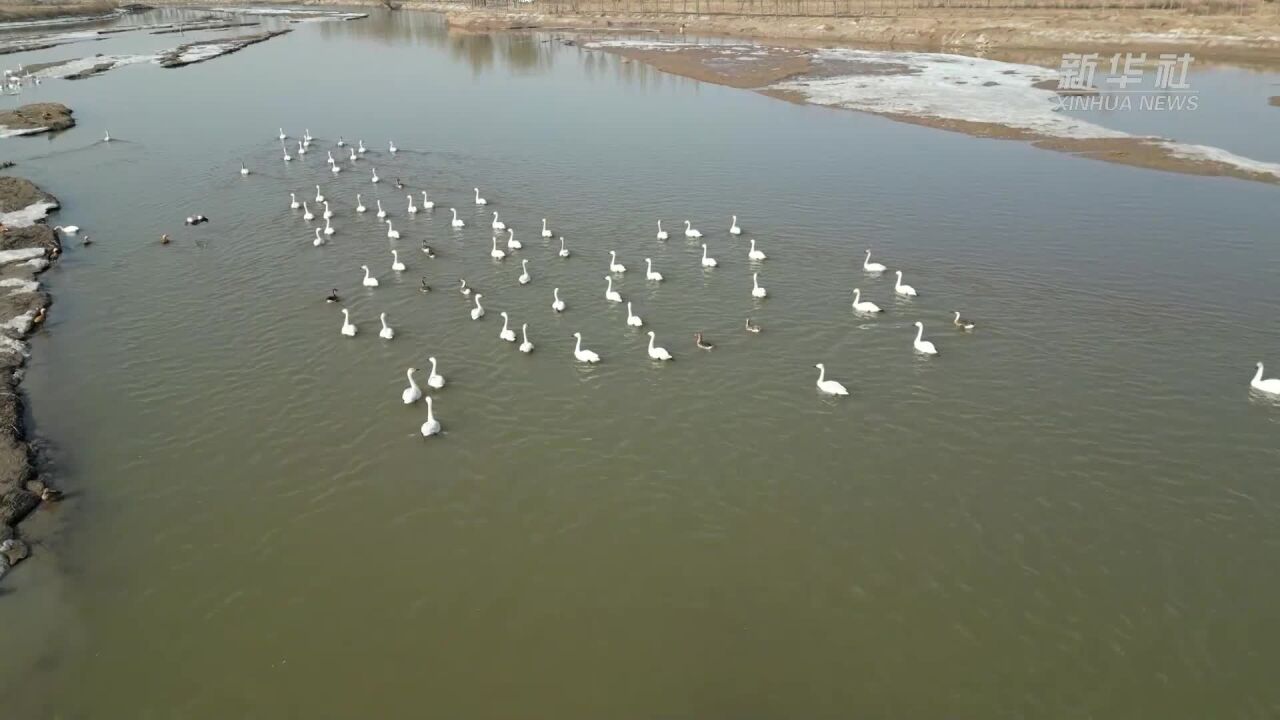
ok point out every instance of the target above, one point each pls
(847, 8)
(14, 11)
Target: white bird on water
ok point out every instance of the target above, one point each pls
(581, 355)
(413, 393)
(689, 230)
(870, 266)
(650, 273)
(293, 202)
(477, 312)
(360, 204)
(480, 200)
(302, 149)
(282, 136)
(413, 209)
(106, 137)
(662, 234)
(396, 265)
(526, 346)
(524, 276)
(707, 262)
(1270, 386)
(426, 204)
(431, 426)
(347, 328)
(435, 379)
(306, 212)
(381, 213)
(923, 346)
(386, 333)
(512, 242)
(657, 353)
(756, 290)
(564, 251)
(67, 229)
(506, 333)
(466, 291)
(545, 232)
(495, 253)
(633, 320)
(360, 149)
(557, 304)
(753, 253)
(319, 195)
(318, 241)
(864, 306)
(369, 280)
(830, 387)
(392, 232)
(284, 152)
(497, 224)
(614, 265)
(903, 290)
(243, 170)
(610, 294)
(328, 228)
(733, 226)
(328, 213)
(374, 175)
(391, 147)
(457, 221)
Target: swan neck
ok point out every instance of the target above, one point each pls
(919, 332)
(1257, 377)
(822, 374)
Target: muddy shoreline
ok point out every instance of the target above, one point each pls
(27, 247)
(35, 119)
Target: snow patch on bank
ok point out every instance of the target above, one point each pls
(1209, 153)
(25, 217)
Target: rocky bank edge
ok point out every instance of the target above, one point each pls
(35, 118)
(27, 246)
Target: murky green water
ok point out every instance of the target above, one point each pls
(1071, 513)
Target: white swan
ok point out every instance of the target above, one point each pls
(614, 265)
(413, 209)
(341, 142)
(865, 306)
(633, 320)
(360, 149)
(960, 322)
(302, 149)
(330, 154)
(347, 328)
(657, 353)
(360, 204)
(649, 273)
(319, 195)
(466, 291)
(73, 229)
(830, 387)
(396, 265)
(581, 355)
(557, 304)
(497, 224)
(610, 294)
(282, 136)
(923, 346)
(457, 221)
(480, 200)
(904, 290)
(707, 262)
(327, 212)
(373, 176)
(318, 241)
(545, 232)
(477, 312)
(426, 204)
(369, 280)
(1270, 385)
(870, 266)
(506, 333)
(495, 253)
(512, 242)
(328, 228)
(756, 290)
(733, 226)
(564, 251)
(306, 135)
(284, 152)
(689, 232)
(392, 232)
(435, 379)
(293, 202)
(106, 137)
(431, 426)
(754, 254)
(413, 393)
(353, 157)
(526, 346)
(306, 212)
(662, 234)
(524, 276)
(243, 170)
(391, 147)
(333, 168)
(381, 213)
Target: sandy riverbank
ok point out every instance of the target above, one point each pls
(35, 118)
(27, 246)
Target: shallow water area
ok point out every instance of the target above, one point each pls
(1064, 514)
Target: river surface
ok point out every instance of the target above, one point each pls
(1072, 512)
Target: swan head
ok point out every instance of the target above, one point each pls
(478, 296)
(650, 334)
(820, 366)
(364, 268)
(412, 370)
(431, 359)
(345, 313)
(524, 263)
(503, 314)
(382, 316)
(578, 335)
(898, 273)
(919, 324)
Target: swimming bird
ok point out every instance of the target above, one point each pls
(545, 232)
(662, 234)
(381, 213)
(306, 212)
(431, 426)
(495, 253)
(332, 296)
(614, 265)
(85, 241)
(1270, 385)
(328, 213)
(197, 219)
(657, 353)
(360, 204)
(413, 393)
(701, 343)
(466, 291)
(330, 154)
(707, 262)
(865, 306)
(581, 355)
(319, 195)
(512, 242)
(564, 251)
(347, 328)
(293, 202)
(413, 209)
(425, 287)
(352, 157)
(756, 290)
(477, 312)
(426, 250)
(506, 333)
(396, 265)
(733, 226)
(392, 232)
(870, 266)
(302, 149)
(610, 294)
(830, 387)
(164, 239)
(318, 241)
(284, 152)
(498, 224)
(306, 136)
(341, 142)
(360, 149)
(369, 281)
(243, 170)
(557, 304)
(457, 221)
(480, 200)
(923, 346)
(633, 320)
(333, 168)
(67, 229)
(391, 146)
(373, 177)
(689, 232)
(386, 333)
(399, 185)
(751, 327)
(962, 323)
(435, 379)
(524, 276)
(526, 346)
(649, 273)
(106, 137)
(753, 253)
(282, 136)
(426, 204)
(904, 290)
